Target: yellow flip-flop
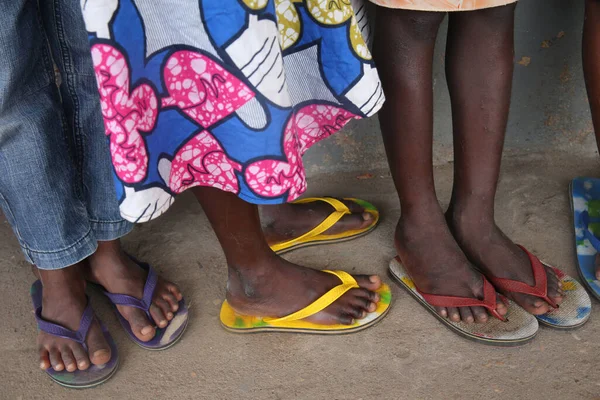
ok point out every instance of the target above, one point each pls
(316, 236)
(235, 322)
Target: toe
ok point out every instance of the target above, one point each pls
(370, 282)
(466, 315)
(174, 291)
(355, 221)
(141, 327)
(453, 314)
(165, 307)
(81, 357)
(442, 312)
(363, 303)
(98, 348)
(346, 319)
(158, 316)
(356, 312)
(44, 358)
(56, 360)
(597, 266)
(353, 206)
(172, 300)
(68, 359)
(480, 314)
(367, 294)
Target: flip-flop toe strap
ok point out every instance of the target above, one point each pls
(53, 329)
(348, 282)
(488, 302)
(539, 289)
(146, 301)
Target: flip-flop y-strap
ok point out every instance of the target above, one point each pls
(517, 328)
(295, 322)
(164, 337)
(574, 310)
(316, 236)
(95, 374)
(488, 302)
(539, 289)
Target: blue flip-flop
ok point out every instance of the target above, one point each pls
(585, 202)
(95, 374)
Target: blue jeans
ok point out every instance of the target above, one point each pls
(56, 183)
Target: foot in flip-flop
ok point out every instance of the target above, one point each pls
(75, 349)
(317, 221)
(277, 295)
(151, 310)
(553, 297)
(585, 202)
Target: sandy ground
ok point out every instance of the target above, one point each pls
(408, 356)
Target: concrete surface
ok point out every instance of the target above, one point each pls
(549, 110)
(408, 356)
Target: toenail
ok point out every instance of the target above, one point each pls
(163, 323)
(373, 279)
(82, 364)
(146, 330)
(170, 315)
(43, 365)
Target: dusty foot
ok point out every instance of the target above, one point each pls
(117, 273)
(63, 303)
(436, 264)
(288, 221)
(277, 288)
(495, 254)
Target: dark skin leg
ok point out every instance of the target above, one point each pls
(288, 221)
(262, 283)
(591, 70)
(116, 272)
(63, 303)
(404, 52)
(479, 67)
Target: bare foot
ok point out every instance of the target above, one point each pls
(277, 288)
(288, 221)
(436, 264)
(496, 255)
(63, 303)
(117, 273)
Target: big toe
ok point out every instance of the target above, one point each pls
(141, 327)
(370, 282)
(98, 347)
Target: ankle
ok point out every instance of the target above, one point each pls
(464, 214)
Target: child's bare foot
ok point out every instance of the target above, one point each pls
(63, 303)
(117, 273)
(495, 254)
(276, 288)
(437, 265)
(284, 222)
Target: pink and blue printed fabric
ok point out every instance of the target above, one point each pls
(225, 93)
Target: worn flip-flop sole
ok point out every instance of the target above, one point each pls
(520, 328)
(575, 309)
(585, 196)
(350, 235)
(239, 323)
(95, 374)
(164, 337)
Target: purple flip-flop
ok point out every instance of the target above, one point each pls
(165, 337)
(95, 374)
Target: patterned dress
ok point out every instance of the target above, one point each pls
(225, 93)
(442, 5)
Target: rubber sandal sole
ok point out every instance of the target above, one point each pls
(480, 333)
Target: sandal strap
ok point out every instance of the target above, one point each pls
(539, 289)
(585, 220)
(488, 302)
(146, 301)
(78, 336)
(340, 209)
(348, 282)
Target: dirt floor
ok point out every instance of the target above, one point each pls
(408, 356)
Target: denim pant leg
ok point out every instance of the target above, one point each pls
(71, 52)
(37, 176)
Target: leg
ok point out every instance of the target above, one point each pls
(36, 190)
(262, 283)
(405, 43)
(479, 70)
(109, 265)
(591, 70)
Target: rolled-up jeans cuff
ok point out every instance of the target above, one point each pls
(78, 251)
(110, 230)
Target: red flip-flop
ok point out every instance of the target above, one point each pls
(518, 327)
(575, 309)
